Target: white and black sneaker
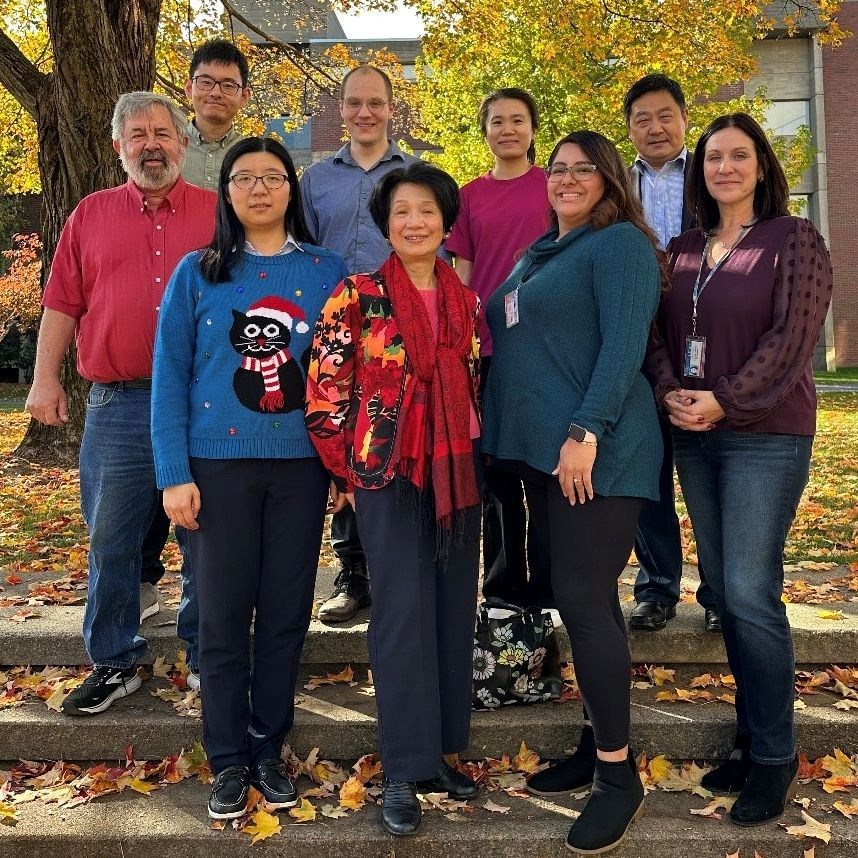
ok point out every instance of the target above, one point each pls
(229, 793)
(100, 689)
(271, 778)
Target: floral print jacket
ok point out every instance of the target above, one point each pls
(359, 382)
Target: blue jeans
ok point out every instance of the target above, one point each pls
(742, 490)
(118, 499)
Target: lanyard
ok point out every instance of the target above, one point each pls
(698, 287)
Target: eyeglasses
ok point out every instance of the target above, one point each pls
(246, 182)
(581, 171)
(353, 105)
(207, 84)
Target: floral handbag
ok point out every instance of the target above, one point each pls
(516, 656)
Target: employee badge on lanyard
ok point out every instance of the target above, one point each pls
(510, 307)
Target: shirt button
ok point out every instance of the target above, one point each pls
(157, 253)
(208, 321)
(232, 430)
(207, 405)
(158, 226)
(298, 293)
(276, 424)
(208, 355)
(157, 279)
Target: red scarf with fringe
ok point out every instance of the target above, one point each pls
(436, 430)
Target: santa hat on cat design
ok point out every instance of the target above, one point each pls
(281, 310)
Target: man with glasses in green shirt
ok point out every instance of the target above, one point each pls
(217, 86)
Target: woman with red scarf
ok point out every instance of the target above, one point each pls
(391, 395)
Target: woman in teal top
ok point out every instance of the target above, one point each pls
(567, 408)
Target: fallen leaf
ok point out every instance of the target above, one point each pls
(13, 579)
(496, 808)
(845, 704)
(352, 794)
(659, 768)
(331, 812)
(809, 853)
(23, 616)
(811, 828)
(7, 814)
(367, 767)
(660, 675)
(303, 811)
(263, 826)
(848, 810)
(142, 786)
(721, 802)
(526, 760)
(703, 681)
(831, 615)
(798, 703)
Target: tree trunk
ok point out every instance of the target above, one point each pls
(101, 49)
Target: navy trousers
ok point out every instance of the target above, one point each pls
(658, 546)
(421, 636)
(256, 551)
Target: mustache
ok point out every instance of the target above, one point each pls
(151, 156)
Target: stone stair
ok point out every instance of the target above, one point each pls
(341, 721)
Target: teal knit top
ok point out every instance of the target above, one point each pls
(585, 305)
(229, 379)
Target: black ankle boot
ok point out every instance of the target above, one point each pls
(400, 808)
(615, 802)
(766, 793)
(731, 775)
(570, 773)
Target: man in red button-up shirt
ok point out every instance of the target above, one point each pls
(114, 258)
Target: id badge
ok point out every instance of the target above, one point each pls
(695, 357)
(510, 306)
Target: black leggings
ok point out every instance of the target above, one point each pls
(589, 545)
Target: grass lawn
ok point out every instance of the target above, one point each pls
(845, 373)
(43, 530)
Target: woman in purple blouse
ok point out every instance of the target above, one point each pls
(749, 292)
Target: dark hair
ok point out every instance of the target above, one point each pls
(511, 92)
(771, 196)
(441, 184)
(222, 52)
(619, 202)
(228, 242)
(365, 67)
(653, 83)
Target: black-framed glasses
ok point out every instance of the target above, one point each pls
(246, 182)
(581, 171)
(207, 84)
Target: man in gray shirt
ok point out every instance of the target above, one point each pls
(217, 86)
(336, 194)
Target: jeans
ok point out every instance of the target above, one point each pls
(742, 490)
(658, 546)
(152, 570)
(118, 499)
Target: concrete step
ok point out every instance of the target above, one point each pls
(341, 721)
(54, 637)
(172, 821)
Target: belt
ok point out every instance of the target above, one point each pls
(130, 384)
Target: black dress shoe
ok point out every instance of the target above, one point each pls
(271, 778)
(351, 593)
(651, 616)
(712, 620)
(571, 773)
(450, 781)
(400, 808)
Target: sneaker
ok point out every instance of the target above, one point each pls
(229, 793)
(149, 604)
(100, 689)
(351, 593)
(193, 680)
(271, 778)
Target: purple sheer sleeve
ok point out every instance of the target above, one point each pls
(801, 295)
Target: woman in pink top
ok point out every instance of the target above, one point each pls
(502, 213)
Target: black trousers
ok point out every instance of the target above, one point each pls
(589, 545)
(421, 636)
(257, 550)
(511, 549)
(344, 536)
(658, 546)
(151, 568)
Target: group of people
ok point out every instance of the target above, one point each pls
(314, 351)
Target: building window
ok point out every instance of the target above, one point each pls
(786, 117)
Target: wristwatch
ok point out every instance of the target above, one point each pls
(576, 432)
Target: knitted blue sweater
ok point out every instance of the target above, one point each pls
(229, 372)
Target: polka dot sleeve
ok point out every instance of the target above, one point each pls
(801, 295)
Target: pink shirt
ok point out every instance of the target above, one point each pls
(498, 220)
(111, 266)
(430, 299)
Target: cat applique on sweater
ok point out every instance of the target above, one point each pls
(269, 378)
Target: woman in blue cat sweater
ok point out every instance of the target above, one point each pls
(235, 462)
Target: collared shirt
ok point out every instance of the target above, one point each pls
(111, 266)
(335, 193)
(287, 247)
(662, 195)
(204, 157)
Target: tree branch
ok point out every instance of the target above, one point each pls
(23, 80)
